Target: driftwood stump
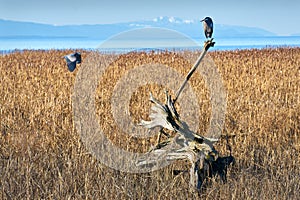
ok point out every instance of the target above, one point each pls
(199, 150)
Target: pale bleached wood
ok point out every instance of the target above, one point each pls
(186, 144)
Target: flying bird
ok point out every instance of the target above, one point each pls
(208, 27)
(72, 60)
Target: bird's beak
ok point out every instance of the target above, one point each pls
(202, 20)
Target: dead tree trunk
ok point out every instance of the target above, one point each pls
(186, 144)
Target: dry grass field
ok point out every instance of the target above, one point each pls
(42, 155)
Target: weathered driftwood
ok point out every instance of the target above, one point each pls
(207, 45)
(186, 144)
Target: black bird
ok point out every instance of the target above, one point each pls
(208, 27)
(72, 60)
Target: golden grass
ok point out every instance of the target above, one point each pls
(42, 156)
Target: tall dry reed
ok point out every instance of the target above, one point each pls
(42, 156)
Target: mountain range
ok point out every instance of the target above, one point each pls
(191, 28)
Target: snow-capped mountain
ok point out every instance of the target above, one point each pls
(190, 27)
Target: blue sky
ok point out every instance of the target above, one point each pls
(279, 16)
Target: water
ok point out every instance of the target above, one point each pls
(12, 43)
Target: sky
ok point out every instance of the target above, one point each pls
(281, 17)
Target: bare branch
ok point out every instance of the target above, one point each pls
(186, 144)
(207, 45)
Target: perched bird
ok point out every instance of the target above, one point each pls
(208, 27)
(72, 60)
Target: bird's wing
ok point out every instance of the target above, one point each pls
(70, 57)
(71, 66)
(78, 58)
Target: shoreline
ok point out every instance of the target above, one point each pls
(128, 50)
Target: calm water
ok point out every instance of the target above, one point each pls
(10, 44)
